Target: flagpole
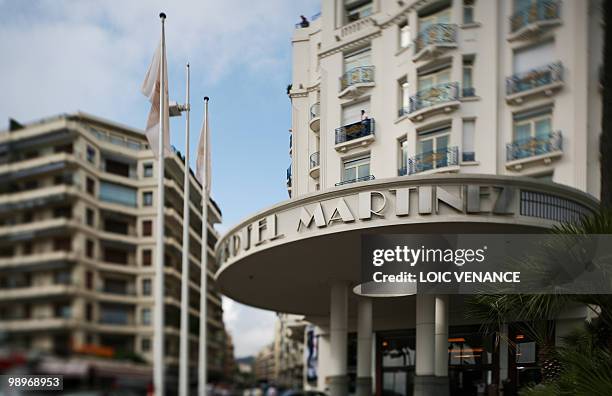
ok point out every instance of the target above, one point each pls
(158, 323)
(184, 335)
(203, 361)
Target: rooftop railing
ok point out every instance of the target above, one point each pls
(314, 160)
(436, 34)
(538, 10)
(357, 75)
(355, 131)
(358, 179)
(440, 93)
(436, 159)
(534, 78)
(533, 146)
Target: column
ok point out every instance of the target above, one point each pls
(338, 326)
(441, 346)
(364, 347)
(424, 370)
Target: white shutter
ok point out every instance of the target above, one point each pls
(534, 57)
(352, 113)
(468, 136)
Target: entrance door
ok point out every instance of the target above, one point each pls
(396, 359)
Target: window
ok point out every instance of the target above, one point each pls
(115, 256)
(147, 198)
(468, 11)
(62, 277)
(433, 78)
(116, 226)
(533, 124)
(146, 316)
(441, 16)
(357, 9)
(91, 186)
(146, 287)
(62, 212)
(147, 169)
(91, 154)
(404, 96)
(90, 217)
(89, 280)
(403, 157)
(467, 83)
(117, 167)
(357, 59)
(27, 247)
(89, 248)
(145, 344)
(146, 257)
(355, 169)
(467, 148)
(404, 35)
(147, 228)
(66, 148)
(352, 113)
(62, 244)
(533, 57)
(117, 193)
(89, 312)
(432, 148)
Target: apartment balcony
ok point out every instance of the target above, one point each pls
(44, 323)
(356, 81)
(543, 81)
(534, 19)
(38, 291)
(443, 160)
(356, 180)
(315, 117)
(314, 165)
(441, 98)
(434, 40)
(360, 133)
(534, 150)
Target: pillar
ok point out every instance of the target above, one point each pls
(364, 347)
(338, 327)
(431, 346)
(441, 346)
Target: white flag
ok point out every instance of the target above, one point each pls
(150, 89)
(203, 156)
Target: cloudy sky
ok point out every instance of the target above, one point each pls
(60, 56)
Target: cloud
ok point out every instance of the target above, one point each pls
(251, 328)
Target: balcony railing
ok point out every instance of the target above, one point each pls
(537, 11)
(441, 93)
(436, 159)
(314, 160)
(315, 110)
(402, 171)
(436, 34)
(355, 131)
(357, 75)
(359, 179)
(534, 78)
(538, 145)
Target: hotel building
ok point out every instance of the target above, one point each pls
(77, 225)
(422, 116)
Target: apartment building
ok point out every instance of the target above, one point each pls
(289, 350)
(404, 112)
(77, 236)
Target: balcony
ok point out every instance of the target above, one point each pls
(356, 81)
(314, 165)
(439, 98)
(543, 81)
(315, 117)
(434, 40)
(444, 160)
(533, 150)
(359, 179)
(534, 19)
(360, 133)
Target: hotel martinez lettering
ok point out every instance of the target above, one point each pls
(473, 198)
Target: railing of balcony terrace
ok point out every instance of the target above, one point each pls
(357, 75)
(355, 130)
(440, 93)
(442, 158)
(538, 10)
(436, 34)
(534, 78)
(532, 146)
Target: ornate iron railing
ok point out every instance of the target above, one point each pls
(359, 179)
(360, 74)
(530, 147)
(402, 171)
(315, 110)
(441, 93)
(355, 131)
(534, 78)
(289, 176)
(314, 160)
(436, 34)
(538, 10)
(436, 159)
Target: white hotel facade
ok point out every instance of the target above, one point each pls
(480, 116)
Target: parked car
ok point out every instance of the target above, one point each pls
(303, 393)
